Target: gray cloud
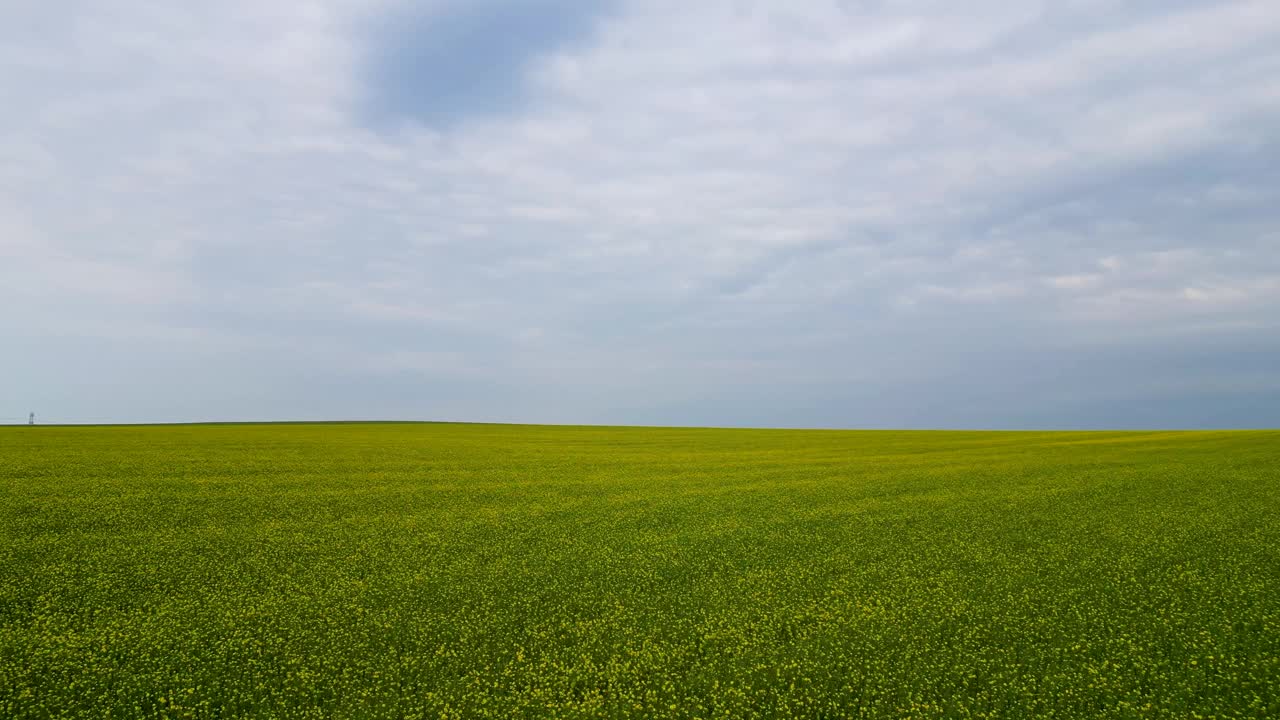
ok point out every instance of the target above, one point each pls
(726, 213)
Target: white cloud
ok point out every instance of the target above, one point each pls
(1075, 282)
(696, 182)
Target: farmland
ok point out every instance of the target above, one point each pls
(422, 571)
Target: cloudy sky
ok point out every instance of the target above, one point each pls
(890, 213)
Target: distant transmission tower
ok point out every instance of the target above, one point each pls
(31, 419)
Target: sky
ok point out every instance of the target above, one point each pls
(822, 213)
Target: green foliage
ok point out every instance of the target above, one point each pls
(423, 571)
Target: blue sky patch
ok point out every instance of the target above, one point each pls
(445, 65)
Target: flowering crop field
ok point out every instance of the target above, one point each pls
(473, 571)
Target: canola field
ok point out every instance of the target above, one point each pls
(471, 571)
